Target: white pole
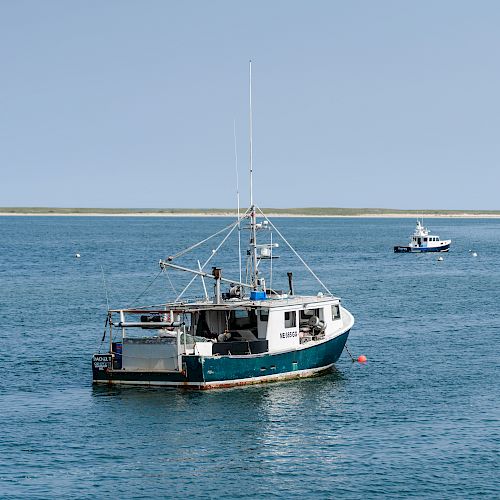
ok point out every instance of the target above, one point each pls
(203, 282)
(250, 131)
(252, 207)
(237, 196)
(271, 263)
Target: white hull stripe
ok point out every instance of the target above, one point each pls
(310, 372)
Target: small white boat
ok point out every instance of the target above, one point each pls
(423, 241)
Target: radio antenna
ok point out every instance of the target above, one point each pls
(237, 195)
(250, 133)
(253, 223)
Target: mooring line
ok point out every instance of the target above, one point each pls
(348, 352)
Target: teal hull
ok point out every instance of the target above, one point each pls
(205, 372)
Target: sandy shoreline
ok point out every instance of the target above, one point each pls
(463, 215)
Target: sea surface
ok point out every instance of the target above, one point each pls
(419, 419)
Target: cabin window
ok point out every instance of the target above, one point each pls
(290, 319)
(425, 239)
(264, 314)
(242, 319)
(307, 314)
(335, 311)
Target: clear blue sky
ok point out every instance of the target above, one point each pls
(356, 103)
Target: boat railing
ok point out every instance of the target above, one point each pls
(148, 325)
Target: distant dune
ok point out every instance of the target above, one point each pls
(225, 212)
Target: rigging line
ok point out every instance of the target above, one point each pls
(192, 247)
(146, 289)
(105, 327)
(170, 281)
(294, 251)
(206, 262)
(104, 334)
(105, 287)
(107, 305)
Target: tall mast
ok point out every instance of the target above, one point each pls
(237, 198)
(250, 133)
(253, 224)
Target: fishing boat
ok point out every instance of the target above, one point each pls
(244, 332)
(423, 241)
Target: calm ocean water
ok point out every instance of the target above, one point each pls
(419, 419)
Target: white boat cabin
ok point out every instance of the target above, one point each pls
(421, 238)
(419, 241)
(235, 327)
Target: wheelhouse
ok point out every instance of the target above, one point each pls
(238, 328)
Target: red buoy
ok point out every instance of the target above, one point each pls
(362, 359)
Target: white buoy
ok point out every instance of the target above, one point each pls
(440, 258)
(77, 255)
(474, 254)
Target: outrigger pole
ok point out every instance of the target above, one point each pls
(164, 264)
